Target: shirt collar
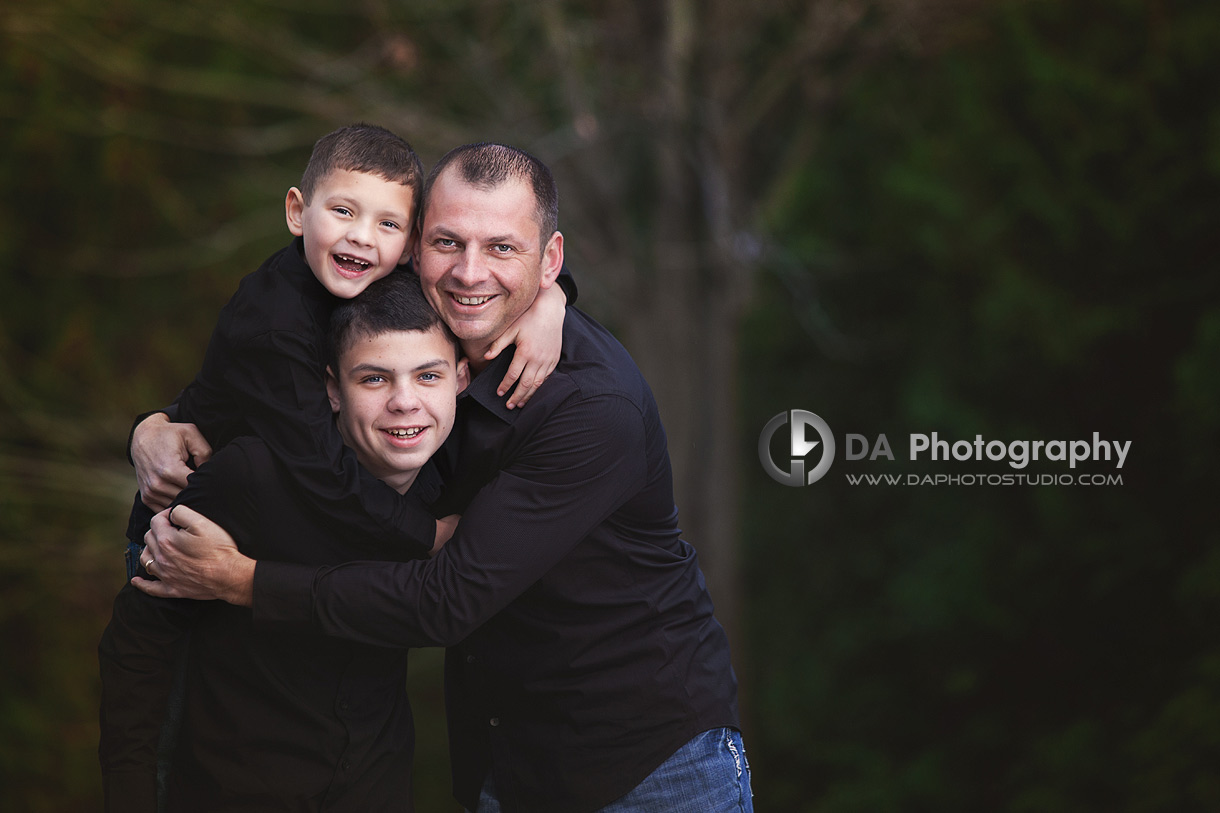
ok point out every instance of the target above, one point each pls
(483, 387)
(427, 484)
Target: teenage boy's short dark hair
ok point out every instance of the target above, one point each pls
(489, 165)
(364, 148)
(394, 302)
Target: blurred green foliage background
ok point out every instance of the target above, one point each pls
(967, 217)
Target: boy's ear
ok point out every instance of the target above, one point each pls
(463, 374)
(409, 251)
(417, 246)
(332, 390)
(294, 211)
(552, 260)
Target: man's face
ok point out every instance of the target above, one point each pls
(480, 257)
(357, 228)
(395, 395)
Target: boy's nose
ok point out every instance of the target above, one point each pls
(403, 399)
(360, 233)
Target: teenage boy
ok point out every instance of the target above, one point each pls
(288, 721)
(353, 221)
(586, 670)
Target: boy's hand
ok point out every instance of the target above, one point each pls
(538, 334)
(160, 450)
(444, 531)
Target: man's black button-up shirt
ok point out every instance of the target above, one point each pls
(584, 650)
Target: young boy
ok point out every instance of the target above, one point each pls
(353, 220)
(275, 721)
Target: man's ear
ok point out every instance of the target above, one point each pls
(294, 211)
(332, 390)
(552, 260)
(463, 374)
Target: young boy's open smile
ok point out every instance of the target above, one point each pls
(357, 228)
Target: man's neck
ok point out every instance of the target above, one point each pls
(474, 357)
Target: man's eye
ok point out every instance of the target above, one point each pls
(373, 379)
(445, 242)
(429, 377)
(502, 248)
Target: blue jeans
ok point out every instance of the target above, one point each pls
(710, 774)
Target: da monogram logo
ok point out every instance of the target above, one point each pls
(799, 446)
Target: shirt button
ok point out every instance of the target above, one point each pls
(343, 705)
(495, 721)
(471, 659)
(344, 765)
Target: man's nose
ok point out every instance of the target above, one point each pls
(470, 269)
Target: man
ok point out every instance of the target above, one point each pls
(288, 721)
(586, 670)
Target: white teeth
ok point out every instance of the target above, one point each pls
(355, 260)
(406, 433)
(471, 300)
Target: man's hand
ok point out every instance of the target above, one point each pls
(538, 334)
(194, 557)
(160, 450)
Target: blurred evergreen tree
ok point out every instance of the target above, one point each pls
(1013, 239)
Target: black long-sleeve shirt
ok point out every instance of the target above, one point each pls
(270, 721)
(584, 650)
(264, 374)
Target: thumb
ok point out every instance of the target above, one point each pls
(502, 341)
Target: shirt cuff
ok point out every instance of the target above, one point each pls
(283, 596)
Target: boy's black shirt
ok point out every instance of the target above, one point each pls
(584, 649)
(270, 720)
(264, 374)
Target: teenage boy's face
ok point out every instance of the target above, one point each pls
(395, 395)
(357, 228)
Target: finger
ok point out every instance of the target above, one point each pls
(184, 518)
(526, 387)
(514, 372)
(176, 478)
(502, 341)
(151, 547)
(153, 588)
(156, 500)
(197, 445)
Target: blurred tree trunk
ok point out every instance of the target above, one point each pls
(673, 128)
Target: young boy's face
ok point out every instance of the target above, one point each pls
(357, 228)
(395, 395)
